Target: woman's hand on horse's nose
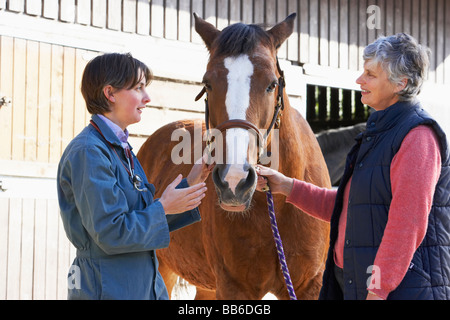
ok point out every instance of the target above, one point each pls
(200, 171)
(180, 200)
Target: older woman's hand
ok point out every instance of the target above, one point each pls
(277, 181)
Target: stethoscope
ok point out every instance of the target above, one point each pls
(135, 178)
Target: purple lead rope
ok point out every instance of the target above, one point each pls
(279, 245)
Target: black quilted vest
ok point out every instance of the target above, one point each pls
(370, 196)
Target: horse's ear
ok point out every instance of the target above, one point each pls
(281, 31)
(206, 30)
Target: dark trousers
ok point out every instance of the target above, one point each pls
(339, 274)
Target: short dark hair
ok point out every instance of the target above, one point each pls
(119, 70)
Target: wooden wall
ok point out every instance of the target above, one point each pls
(45, 44)
(327, 32)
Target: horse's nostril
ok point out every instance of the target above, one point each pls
(247, 184)
(218, 176)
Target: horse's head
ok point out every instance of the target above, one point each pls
(242, 83)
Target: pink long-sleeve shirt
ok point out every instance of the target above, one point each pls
(415, 170)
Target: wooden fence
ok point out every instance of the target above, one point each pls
(330, 107)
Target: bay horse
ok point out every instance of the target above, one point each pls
(231, 253)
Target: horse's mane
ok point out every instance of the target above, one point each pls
(241, 38)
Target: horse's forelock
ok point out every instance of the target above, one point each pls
(241, 38)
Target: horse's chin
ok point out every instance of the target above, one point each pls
(229, 202)
(233, 208)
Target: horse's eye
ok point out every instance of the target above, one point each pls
(207, 85)
(272, 87)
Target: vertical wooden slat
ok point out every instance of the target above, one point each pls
(415, 19)
(80, 112)
(114, 15)
(51, 251)
(398, 16)
(323, 106)
(56, 80)
(33, 7)
(210, 12)
(129, 16)
(157, 18)
(235, 11)
(407, 21)
(51, 9)
(447, 44)
(99, 13)
(314, 32)
(334, 33)
(432, 38)
(371, 33)
(39, 273)
(346, 105)
(323, 42)
(67, 10)
(84, 12)
(18, 105)
(382, 5)
(362, 34)
(292, 42)
(63, 261)
(6, 89)
(440, 41)
(334, 104)
(27, 244)
(4, 234)
(311, 114)
(68, 97)
(247, 11)
(423, 31)
(222, 14)
(14, 239)
(282, 9)
(303, 16)
(44, 98)
(353, 51)
(16, 5)
(171, 20)
(389, 13)
(258, 11)
(184, 21)
(143, 17)
(271, 11)
(31, 111)
(197, 7)
(343, 34)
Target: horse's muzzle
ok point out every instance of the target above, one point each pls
(234, 191)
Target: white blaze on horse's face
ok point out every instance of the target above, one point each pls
(240, 71)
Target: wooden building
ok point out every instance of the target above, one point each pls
(45, 44)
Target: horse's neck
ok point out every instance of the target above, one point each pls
(291, 135)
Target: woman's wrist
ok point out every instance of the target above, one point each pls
(287, 185)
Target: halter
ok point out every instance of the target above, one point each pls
(244, 124)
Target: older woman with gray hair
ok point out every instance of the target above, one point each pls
(390, 216)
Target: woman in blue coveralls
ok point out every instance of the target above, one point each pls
(106, 202)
